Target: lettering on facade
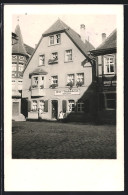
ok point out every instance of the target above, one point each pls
(68, 92)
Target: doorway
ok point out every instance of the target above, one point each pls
(54, 109)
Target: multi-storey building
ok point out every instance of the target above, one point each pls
(106, 72)
(20, 56)
(59, 76)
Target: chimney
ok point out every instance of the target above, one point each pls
(82, 32)
(103, 37)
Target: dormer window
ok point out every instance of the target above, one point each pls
(41, 60)
(54, 39)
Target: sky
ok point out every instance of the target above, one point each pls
(34, 24)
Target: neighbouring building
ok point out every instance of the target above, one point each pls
(20, 56)
(59, 76)
(106, 74)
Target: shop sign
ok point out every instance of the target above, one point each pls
(68, 92)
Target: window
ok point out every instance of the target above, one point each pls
(80, 106)
(80, 79)
(110, 100)
(71, 105)
(21, 67)
(58, 38)
(13, 74)
(54, 39)
(70, 79)
(109, 64)
(41, 105)
(54, 58)
(20, 82)
(51, 40)
(13, 81)
(34, 82)
(54, 80)
(68, 55)
(41, 60)
(14, 57)
(14, 66)
(34, 105)
(42, 83)
(21, 57)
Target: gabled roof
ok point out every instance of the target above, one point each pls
(109, 45)
(29, 49)
(59, 26)
(18, 47)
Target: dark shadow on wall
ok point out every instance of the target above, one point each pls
(89, 109)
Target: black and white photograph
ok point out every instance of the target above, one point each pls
(64, 96)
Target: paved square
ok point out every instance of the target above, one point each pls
(53, 140)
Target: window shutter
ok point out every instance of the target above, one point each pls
(64, 105)
(46, 106)
(29, 106)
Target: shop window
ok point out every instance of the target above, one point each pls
(71, 106)
(109, 64)
(14, 66)
(80, 106)
(41, 60)
(70, 80)
(34, 105)
(68, 55)
(80, 79)
(110, 100)
(54, 39)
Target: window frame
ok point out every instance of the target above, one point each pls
(39, 60)
(67, 55)
(55, 39)
(73, 83)
(108, 66)
(79, 103)
(80, 83)
(69, 103)
(35, 105)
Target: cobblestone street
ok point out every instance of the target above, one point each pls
(53, 140)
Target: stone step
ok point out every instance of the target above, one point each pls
(19, 117)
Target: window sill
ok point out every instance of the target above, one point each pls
(68, 61)
(41, 65)
(54, 44)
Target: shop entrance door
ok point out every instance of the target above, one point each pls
(54, 109)
(15, 108)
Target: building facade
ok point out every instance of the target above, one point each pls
(20, 56)
(59, 76)
(106, 77)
